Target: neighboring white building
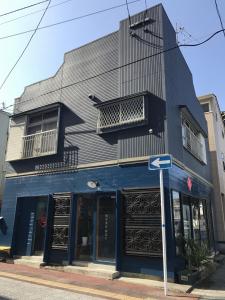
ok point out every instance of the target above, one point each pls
(4, 125)
(216, 133)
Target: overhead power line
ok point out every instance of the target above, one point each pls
(125, 65)
(68, 20)
(24, 50)
(34, 12)
(22, 8)
(219, 15)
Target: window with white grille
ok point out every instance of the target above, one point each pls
(121, 113)
(193, 141)
(41, 135)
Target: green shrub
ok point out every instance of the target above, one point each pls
(196, 253)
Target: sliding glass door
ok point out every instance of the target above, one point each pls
(105, 233)
(96, 227)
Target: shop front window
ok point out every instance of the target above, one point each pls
(178, 232)
(203, 221)
(195, 220)
(186, 218)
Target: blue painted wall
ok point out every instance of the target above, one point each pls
(112, 179)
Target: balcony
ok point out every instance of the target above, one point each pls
(40, 144)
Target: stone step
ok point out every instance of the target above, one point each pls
(28, 262)
(103, 273)
(92, 265)
(32, 258)
(32, 261)
(90, 271)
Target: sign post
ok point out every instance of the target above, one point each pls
(160, 162)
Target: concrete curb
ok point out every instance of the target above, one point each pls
(220, 259)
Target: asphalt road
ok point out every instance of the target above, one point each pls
(18, 290)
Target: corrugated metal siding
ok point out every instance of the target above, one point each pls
(180, 91)
(146, 74)
(85, 62)
(142, 145)
(40, 94)
(80, 117)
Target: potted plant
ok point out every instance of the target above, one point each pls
(195, 255)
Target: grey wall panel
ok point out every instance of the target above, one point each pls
(145, 74)
(180, 91)
(141, 145)
(79, 117)
(40, 94)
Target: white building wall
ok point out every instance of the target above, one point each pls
(4, 125)
(216, 133)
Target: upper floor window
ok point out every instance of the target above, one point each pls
(34, 133)
(193, 140)
(120, 113)
(41, 134)
(42, 122)
(205, 107)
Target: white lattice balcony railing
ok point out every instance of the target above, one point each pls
(192, 143)
(121, 113)
(39, 144)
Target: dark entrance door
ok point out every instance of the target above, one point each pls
(31, 217)
(40, 226)
(105, 233)
(85, 212)
(96, 227)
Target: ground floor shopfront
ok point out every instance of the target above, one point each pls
(108, 215)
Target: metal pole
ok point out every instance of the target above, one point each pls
(163, 231)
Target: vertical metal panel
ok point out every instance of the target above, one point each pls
(145, 74)
(141, 145)
(95, 58)
(180, 91)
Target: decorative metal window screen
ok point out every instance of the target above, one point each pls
(121, 113)
(62, 204)
(141, 222)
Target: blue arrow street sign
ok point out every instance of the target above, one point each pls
(158, 162)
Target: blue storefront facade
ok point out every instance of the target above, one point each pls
(78, 187)
(140, 255)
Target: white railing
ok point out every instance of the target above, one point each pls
(38, 144)
(121, 113)
(192, 143)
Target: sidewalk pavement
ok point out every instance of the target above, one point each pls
(212, 287)
(129, 289)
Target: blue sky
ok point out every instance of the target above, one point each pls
(45, 53)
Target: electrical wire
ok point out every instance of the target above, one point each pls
(22, 8)
(28, 43)
(34, 12)
(219, 15)
(125, 65)
(68, 20)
